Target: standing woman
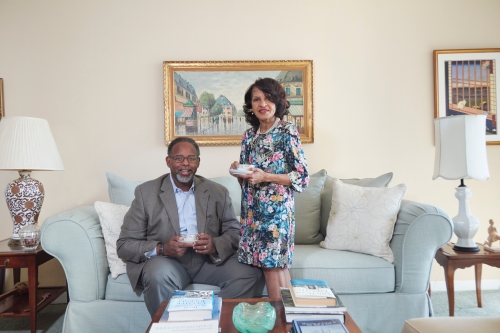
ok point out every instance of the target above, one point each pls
(272, 145)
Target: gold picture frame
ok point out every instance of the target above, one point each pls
(204, 99)
(465, 82)
(2, 109)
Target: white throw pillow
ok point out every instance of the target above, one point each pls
(111, 217)
(362, 218)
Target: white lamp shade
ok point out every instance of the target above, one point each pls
(461, 147)
(27, 144)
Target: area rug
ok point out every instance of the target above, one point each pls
(466, 304)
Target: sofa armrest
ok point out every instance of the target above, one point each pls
(420, 230)
(75, 238)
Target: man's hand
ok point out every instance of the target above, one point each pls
(174, 248)
(204, 244)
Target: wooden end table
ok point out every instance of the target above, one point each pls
(226, 316)
(450, 260)
(26, 304)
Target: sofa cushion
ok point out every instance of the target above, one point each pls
(326, 195)
(232, 185)
(362, 218)
(346, 272)
(308, 210)
(121, 190)
(119, 289)
(111, 218)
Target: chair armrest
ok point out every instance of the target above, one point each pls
(75, 238)
(420, 230)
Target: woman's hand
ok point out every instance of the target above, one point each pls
(260, 176)
(257, 176)
(234, 166)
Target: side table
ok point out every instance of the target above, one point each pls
(25, 305)
(450, 260)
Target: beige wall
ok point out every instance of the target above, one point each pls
(93, 69)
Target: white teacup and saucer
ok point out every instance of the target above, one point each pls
(188, 238)
(243, 169)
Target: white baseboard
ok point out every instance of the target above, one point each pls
(466, 285)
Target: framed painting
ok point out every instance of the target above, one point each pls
(2, 110)
(465, 83)
(204, 99)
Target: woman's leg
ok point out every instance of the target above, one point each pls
(276, 278)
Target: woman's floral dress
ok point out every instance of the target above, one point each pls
(268, 210)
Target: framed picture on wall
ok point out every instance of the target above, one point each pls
(465, 82)
(204, 99)
(2, 110)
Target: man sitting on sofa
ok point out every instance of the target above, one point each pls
(182, 203)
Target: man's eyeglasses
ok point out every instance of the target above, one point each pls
(180, 159)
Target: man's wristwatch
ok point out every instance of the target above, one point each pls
(160, 249)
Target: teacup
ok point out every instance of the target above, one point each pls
(245, 166)
(188, 238)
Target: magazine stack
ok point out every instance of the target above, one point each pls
(311, 299)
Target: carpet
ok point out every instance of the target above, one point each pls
(50, 319)
(466, 304)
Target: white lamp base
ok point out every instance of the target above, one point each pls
(465, 225)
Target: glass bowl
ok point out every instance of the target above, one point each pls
(30, 237)
(258, 318)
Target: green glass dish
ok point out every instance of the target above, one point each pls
(258, 318)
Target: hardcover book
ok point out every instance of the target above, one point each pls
(323, 326)
(307, 288)
(308, 316)
(191, 305)
(313, 302)
(291, 307)
(206, 326)
(193, 316)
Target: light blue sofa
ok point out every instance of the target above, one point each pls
(379, 295)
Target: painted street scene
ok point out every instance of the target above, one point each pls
(471, 89)
(211, 103)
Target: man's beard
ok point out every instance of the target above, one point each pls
(183, 179)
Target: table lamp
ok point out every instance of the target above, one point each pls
(461, 153)
(26, 144)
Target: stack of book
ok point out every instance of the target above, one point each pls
(191, 311)
(311, 299)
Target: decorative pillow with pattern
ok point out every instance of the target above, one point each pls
(111, 217)
(362, 218)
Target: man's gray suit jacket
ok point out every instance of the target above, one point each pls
(153, 218)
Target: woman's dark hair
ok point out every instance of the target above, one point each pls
(274, 92)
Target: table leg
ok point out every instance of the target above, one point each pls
(479, 270)
(32, 284)
(17, 275)
(449, 273)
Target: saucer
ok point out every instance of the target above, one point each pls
(240, 172)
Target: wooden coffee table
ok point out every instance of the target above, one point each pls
(451, 260)
(226, 319)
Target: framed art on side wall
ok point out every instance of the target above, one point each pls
(204, 99)
(2, 110)
(465, 82)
